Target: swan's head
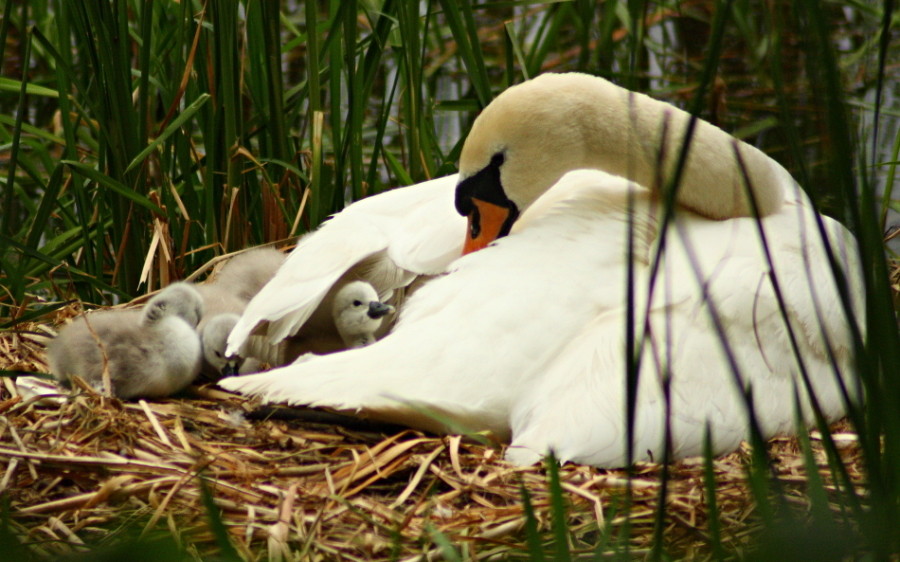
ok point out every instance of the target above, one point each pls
(358, 313)
(214, 338)
(178, 299)
(520, 145)
(535, 132)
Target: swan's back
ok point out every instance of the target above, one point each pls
(705, 262)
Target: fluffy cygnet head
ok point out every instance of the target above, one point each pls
(213, 338)
(358, 313)
(178, 299)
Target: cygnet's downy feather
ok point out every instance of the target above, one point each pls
(224, 298)
(213, 336)
(355, 317)
(151, 352)
(246, 274)
(358, 313)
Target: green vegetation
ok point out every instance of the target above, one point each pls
(141, 138)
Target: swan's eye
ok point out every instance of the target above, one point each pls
(357, 303)
(219, 354)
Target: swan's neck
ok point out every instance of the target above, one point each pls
(644, 139)
(558, 123)
(357, 340)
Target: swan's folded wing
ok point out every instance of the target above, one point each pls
(392, 393)
(430, 237)
(415, 227)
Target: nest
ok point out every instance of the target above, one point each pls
(85, 471)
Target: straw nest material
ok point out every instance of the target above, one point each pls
(79, 471)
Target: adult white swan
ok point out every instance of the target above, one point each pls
(527, 338)
(388, 240)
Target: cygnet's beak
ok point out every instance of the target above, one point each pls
(232, 365)
(379, 309)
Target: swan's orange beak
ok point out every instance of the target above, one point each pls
(486, 224)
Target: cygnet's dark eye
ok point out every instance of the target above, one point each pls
(218, 354)
(357, 303)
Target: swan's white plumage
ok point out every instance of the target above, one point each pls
(387, 240)
(526, 338)
(560, 122)
(728, 258)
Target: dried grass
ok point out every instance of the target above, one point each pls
(78, 471)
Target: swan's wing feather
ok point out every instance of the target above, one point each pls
(391, 237)
(383, 392)
(467, 341)
(439, 231)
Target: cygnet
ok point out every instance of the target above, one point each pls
(213, 338)
(224, 299)
(152, 352)
(358, 313)
(354, 317)
(246, 273)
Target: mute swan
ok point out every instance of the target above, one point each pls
(388, 240)
(152, 352)
(527, 337)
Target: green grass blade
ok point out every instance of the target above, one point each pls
(112, 184)
(174, 126)
(9, 199)
(461, 22)
(517, 51)
(712, 506)
(532, 535)
(12, 85)
(446, 548)
(558, 512)
(216, 524)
